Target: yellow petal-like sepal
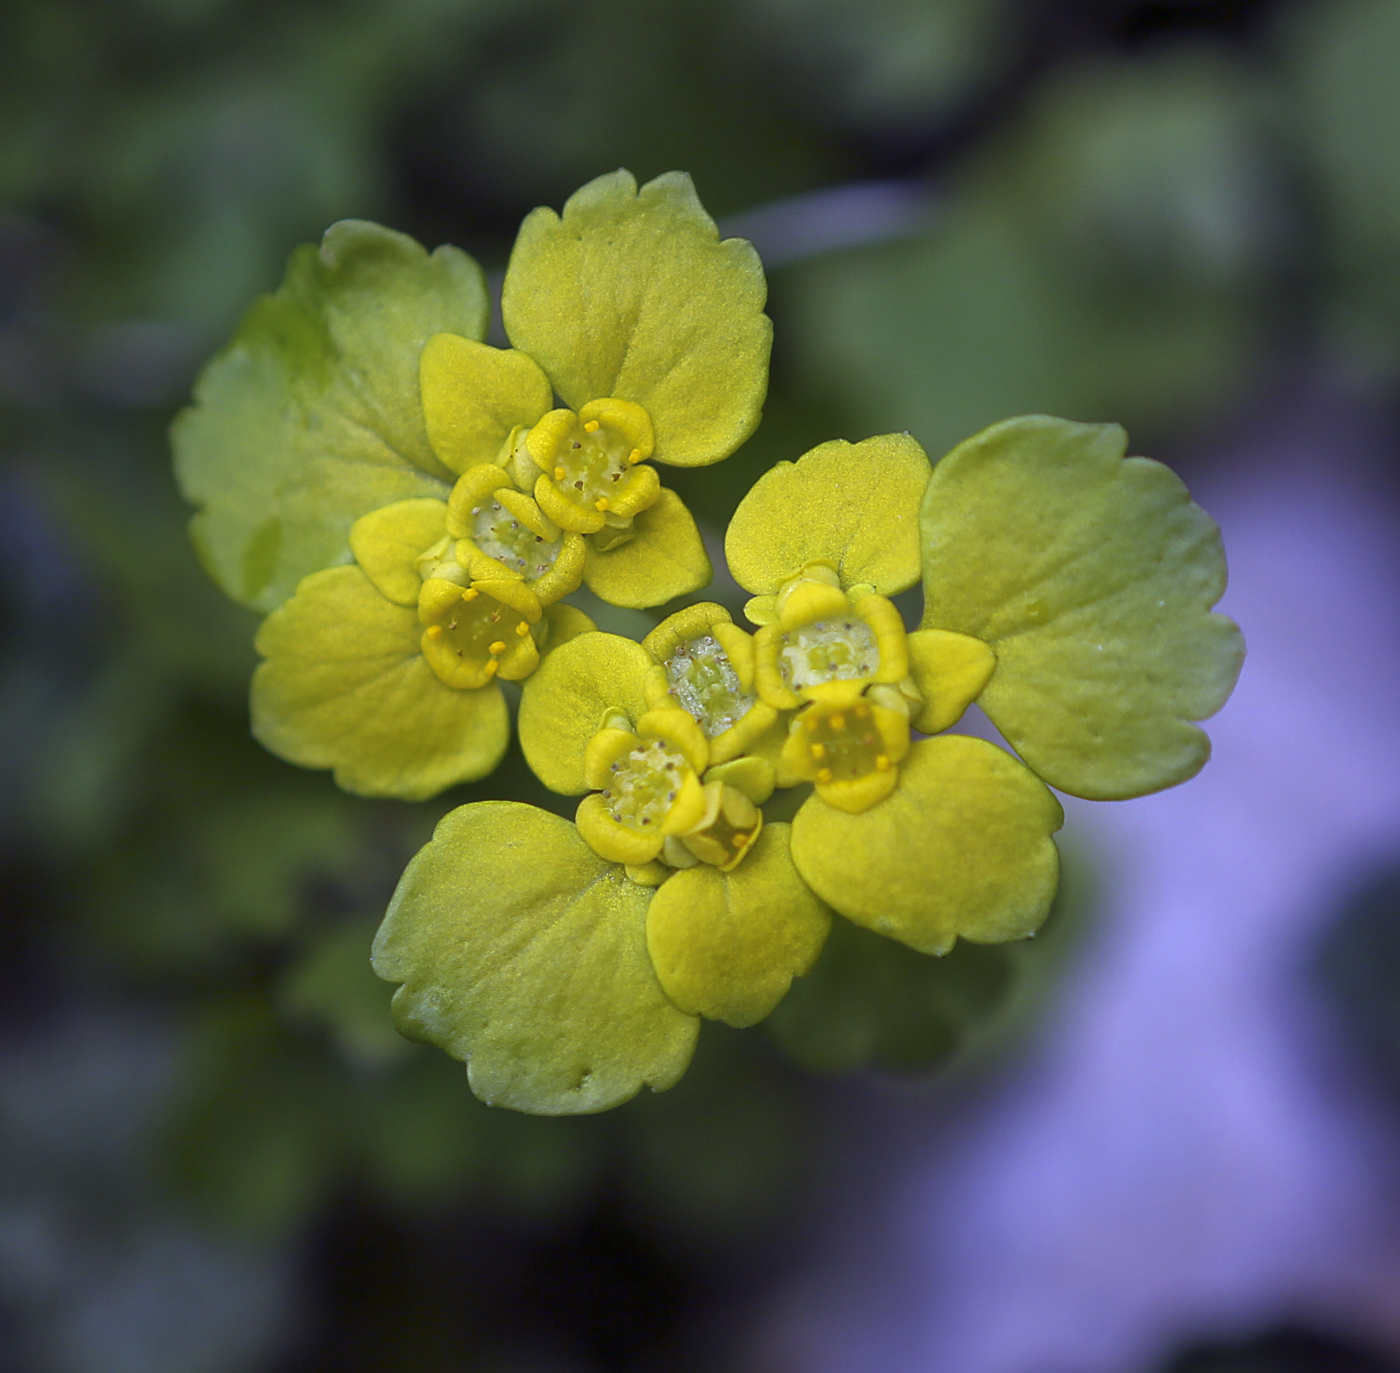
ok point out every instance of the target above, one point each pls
(387, 544)
(611, 839)
(852, 505)
(678, 728)
(475, 395)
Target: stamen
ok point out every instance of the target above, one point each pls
(470, 594)
(522, 629)
(590, 427)
(496, 649)
(436, 631)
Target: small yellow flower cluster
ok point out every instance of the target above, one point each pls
(737, 789)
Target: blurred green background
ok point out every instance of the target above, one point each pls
(217, 1154)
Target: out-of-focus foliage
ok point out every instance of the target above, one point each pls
(1108, 253)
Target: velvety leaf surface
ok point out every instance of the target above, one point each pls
(474, 395)
(855, 504)
(311, 417)
(345, 687)
(632, 294)
(565, 700)
(388, 542)
(1092, 577)
(523, 953)
(727, 945)
(961, 847)
(665, 558)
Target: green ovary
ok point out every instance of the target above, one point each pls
(643, 784)
(704, 684)
(828, 651)
(498, 534)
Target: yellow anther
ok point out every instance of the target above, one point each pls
(497, 648)
(882, 762)
(635, 456)
(559, 474)
(838, 722)
(591, 427)
(435, 631)
(470, 594)
(601, 503)
(817, 750)
(491, 667)
(522, 629)
(823, 774)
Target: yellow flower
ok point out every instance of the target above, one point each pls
(386, 670)
(651, 330)
(825, 542)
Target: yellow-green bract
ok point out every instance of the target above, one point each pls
(407, 505)
(1067, 589)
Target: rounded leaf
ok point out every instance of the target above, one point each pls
(345, 687)
(1092, 578)
(852, 504)
(727, 944)
(523, 953)
(311, 417)
(663, 559)
(631, 294)
(567, 700)
(961, 847)
(387, 544)
(474, 395)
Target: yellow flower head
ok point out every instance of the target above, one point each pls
(386, 670)
(1065, 587)
(651, 330)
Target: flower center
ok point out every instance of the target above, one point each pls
(643, 783)
(592, 460)
(844, 743)
(498, 534)
(476, 629)
(828, 651)
(705, 685)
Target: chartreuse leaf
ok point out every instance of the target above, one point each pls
(664, 558)
(523, 953)
(1092, 577)
(727, 945)
(345, 687)
(566, 701)
(474, 395)
(387, 544)
(632, 294)
(961, 847)
(852, 504)
(311, 416)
